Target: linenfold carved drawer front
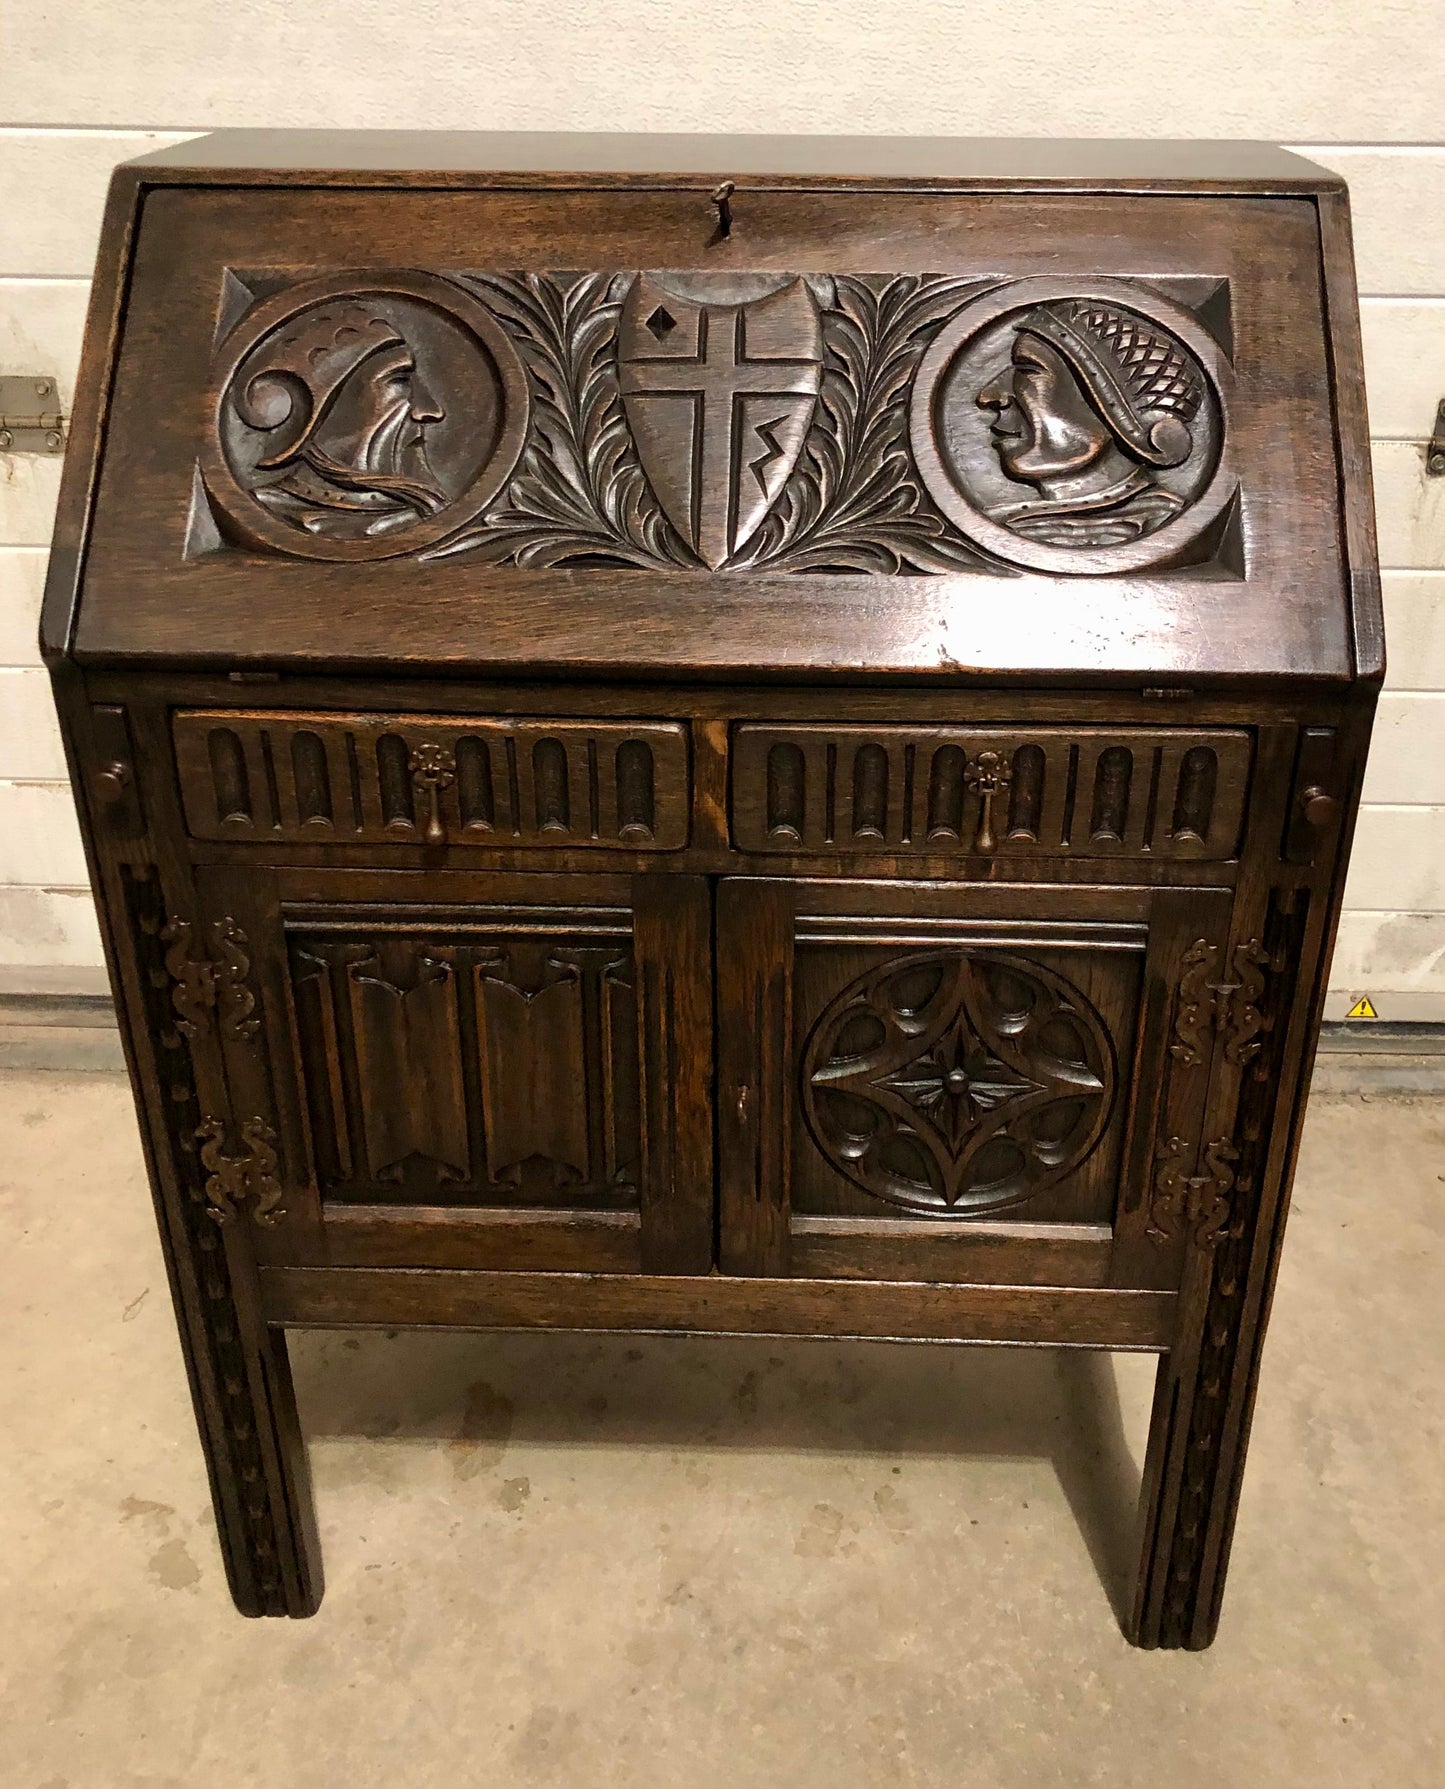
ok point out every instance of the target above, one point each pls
(432, 779)
(1087, 791)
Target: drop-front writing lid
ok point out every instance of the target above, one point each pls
(778, 429)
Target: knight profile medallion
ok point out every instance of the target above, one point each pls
(361, 416)
(1064, 427)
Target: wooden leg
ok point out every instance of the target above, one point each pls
(1197, 1437)
(246, 1413)
(239, 1374)
(1204, 1394)
(265, 1514)
(245, 1410)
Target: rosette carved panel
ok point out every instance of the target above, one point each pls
(956, 1082)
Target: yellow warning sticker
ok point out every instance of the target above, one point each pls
(1364, 1008)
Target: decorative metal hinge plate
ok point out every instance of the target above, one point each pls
(246, 1178)
(31, 420)
(1197, 1203)
(1230, 1006)
(201, 985)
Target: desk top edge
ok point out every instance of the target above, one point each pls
(344, 157)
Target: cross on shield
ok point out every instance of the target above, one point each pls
(719, 387)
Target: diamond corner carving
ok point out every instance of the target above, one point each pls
(959, 1100)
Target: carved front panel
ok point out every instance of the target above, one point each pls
(990, 791)
(693, 420)
(963, 1079)
(492, 1063)
(433, 780)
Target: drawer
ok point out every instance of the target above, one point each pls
(985, 791)
(323, 778)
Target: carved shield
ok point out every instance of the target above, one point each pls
(719, 375)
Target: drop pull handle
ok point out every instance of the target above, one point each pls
(432, 769)
(722, 197)
(988, 774)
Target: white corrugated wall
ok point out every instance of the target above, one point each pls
(87, 83)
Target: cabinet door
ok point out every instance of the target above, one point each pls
(491, 1071)
(916, 1082)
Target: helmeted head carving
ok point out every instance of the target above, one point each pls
(1091, 387)
(1061, 426)
(344, 413)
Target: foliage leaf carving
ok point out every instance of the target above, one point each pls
(854, 502)
(579, 494)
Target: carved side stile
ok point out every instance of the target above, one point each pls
(181, 996)
(1215, 1208)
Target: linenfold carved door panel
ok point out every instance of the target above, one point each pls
(919, 1083)
(513, 1072)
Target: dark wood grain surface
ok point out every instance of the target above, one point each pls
(720, 735)
(357, 158)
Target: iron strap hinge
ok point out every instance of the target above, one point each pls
(31, 420)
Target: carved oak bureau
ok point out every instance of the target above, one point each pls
(720, 735)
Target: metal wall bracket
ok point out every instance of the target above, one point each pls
(30, 415)
(1435, 452)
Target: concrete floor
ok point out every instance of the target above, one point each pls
(574, 1561)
